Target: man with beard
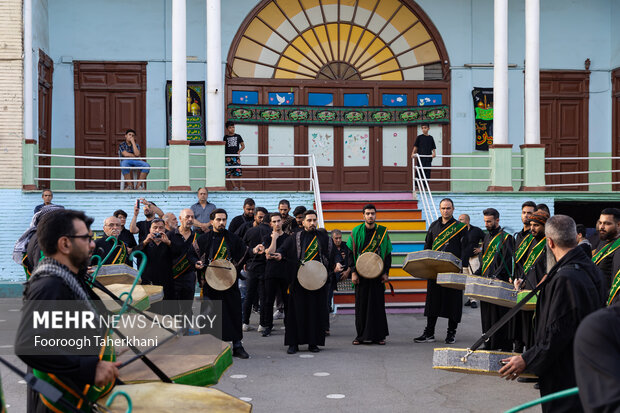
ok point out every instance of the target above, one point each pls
(533, 269)
(170, 221)
(255, 268)
(306, 309)
(572, 290)
(183, 239)
(223, 244)
(496, 262)
(64, 237)
(449, 235)
(142, 227)
(607, 256)
(370, 319)
(112, 228)
(125, 236)
(346, 256)
(247, 216)
(288, 222)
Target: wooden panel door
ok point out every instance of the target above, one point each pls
(46, 70)
(110, 97)
(615, 127)
(564, 125)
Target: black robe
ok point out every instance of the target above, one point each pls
(597, 361)
(573, 290)
(609, 266)
(370, 319)
(442, 301)
(500, 268)
(517, 325)
(103, 247)
(531, 279)
(208, 244)
(307, 309)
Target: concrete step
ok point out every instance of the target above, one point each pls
(391, 225)
(400, 296)
(333, 215)
(367, 196)
(397, 236)
(358, 205)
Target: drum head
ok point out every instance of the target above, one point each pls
(312, 275)
(369, 265)
(221, 274)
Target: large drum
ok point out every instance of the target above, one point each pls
(369, 265)
(221, 274)
(531, 304)
(491, 290)
(142, 296)
(478, 362)
(193, 360)
(453, 280)
(312, 275)
(427, 263)
(116, 274)
(169, 397)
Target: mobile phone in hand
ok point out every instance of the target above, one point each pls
(137, 203)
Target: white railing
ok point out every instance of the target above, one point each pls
(51, 167)
(312, 179)
(426, 197)
(588, 173)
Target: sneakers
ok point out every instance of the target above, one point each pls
(240, 352)
(278, 315)
(292, 349)
(450, 337)
(474, 304)
(266, 332)
(313, 348)
(247, 327)
(426, 337)
(261, 328)
(468, 303)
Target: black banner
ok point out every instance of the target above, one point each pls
(483, 109)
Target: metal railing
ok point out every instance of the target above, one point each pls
(426, 197)
(51, 167)
(588, 173)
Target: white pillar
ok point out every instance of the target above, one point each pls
(532, 72)
(28, 96)
(179, 71)
(500, 74)
(215, 102)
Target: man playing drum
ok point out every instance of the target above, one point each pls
(372, 252)
(313, 253)
(445, 234)
(222, 282)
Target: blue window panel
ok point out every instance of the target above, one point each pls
(356, 99)
(280, 98)
(390, 99)
(245, 97)
(320, 99)
(429, 100)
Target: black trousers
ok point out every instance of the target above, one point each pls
(184, 290)
(426, 165)
(431, 321)
(273, 287)
(255, 288)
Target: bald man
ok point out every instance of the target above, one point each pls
(183, 240)
(112, 228)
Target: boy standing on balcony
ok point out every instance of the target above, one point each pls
(131, 150)
(425, 145)
(234, 146)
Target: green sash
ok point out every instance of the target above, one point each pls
(447, 234)
(379, 243)
(522, 248)
(312, 251)
(182, 265)
(222, 251)
(2, 404)
(89, 392)
(615, 287)
(534, 255)
(605, 251)
(492, 250)
(121, 255)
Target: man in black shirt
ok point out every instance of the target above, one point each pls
(125, 236)
(120, 255)
(142, 227)
(425, 146)
(247, 216)
(474, 238)
(288, 222)
(234, 146)
(607, 256)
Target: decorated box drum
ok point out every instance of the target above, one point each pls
(142, 297)
(531, 304)
(221, 274)
(312, 275)
(170, 397)
(491, 290)
(116, 274)
(453, 280)
(369, 265)
(428, 263)
(197, 360)
(478, 362)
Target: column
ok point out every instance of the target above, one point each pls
(178, 158)
(500, 153)
(216, 178)
(29, 147)
(533, 152)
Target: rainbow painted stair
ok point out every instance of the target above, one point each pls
(399, 212)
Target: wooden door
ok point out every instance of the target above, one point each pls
(46, 70)
(564, 125)
(615, 128)
(110, 97)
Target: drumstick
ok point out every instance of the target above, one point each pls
(148, 350)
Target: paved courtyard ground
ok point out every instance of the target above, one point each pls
(397, 377)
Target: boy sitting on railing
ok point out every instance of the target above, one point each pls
(130, 149)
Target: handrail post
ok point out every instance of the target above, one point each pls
(317, 191)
